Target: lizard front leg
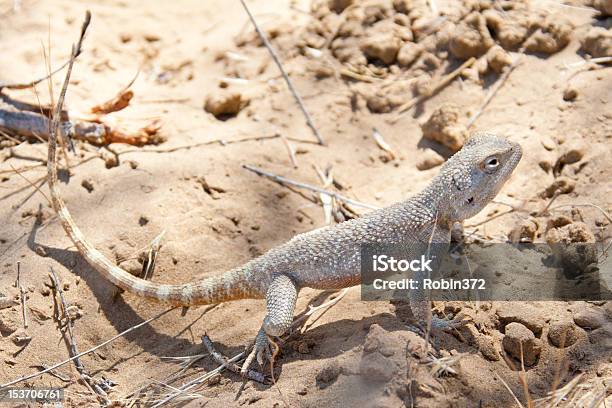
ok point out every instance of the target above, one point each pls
(420, 300)
(280, 303)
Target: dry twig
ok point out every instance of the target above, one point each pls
(233, 367)
(91, 350)
(380, 141)
(22, 296)
(500, 82)
(312, 309)
(285, 181)
(198, 381)
(94, 385)
(120, 101)
(25, 85)
(276, 59)
(222, 142)
(290, 150)
(510, 391)
(445, 80)
(604, 212)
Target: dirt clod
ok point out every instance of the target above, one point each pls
(88, 184)
(511, 28)
(570, 233)
(591, 318)
(571, 154)
(224, 103)
(573, 248)
(552, 35)
(443, 127)
(570, 93)
(527, 315)
(562, 333)
(429, 159)
(598, 42)
(471, 37)
(498, 59)
(558, 222)
(328, 374)
(521, 343)
(408, 53)
(524, 232)
(383, 47)
(561, 185)
(487, 347)
(9, 322)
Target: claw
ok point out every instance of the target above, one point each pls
(247, 362)
(262, 351)
(260, 358)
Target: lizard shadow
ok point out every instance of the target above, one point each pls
(351, 333)
(119, 313)
(123, 313)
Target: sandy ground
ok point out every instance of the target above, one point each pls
(357, 353)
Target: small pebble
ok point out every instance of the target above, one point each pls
(570, 94)
(88, 184)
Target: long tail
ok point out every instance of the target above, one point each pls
(229, 286)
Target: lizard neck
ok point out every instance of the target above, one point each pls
(432, 202)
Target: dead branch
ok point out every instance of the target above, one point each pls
(276, 59)
(498, 85)
(120, 101)
(25, 85)
(115, 104)
(45, 110)
(299, 320)
(31, 184)
(433, 90)
(94, 386)
(198, 381)
(233, 367)
(91, 350)
(287, 182)
(33, 125)
(22, 296)
(31, 122)
(290, 150)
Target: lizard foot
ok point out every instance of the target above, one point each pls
(447, 324)
(230, 365)
(263, 349)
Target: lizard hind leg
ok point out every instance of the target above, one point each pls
(280, 304)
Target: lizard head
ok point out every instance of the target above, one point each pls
(476, 173)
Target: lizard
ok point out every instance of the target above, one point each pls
(327, 258)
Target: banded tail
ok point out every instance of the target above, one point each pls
(229, 286)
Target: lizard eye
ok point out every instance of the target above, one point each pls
(491, 164)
